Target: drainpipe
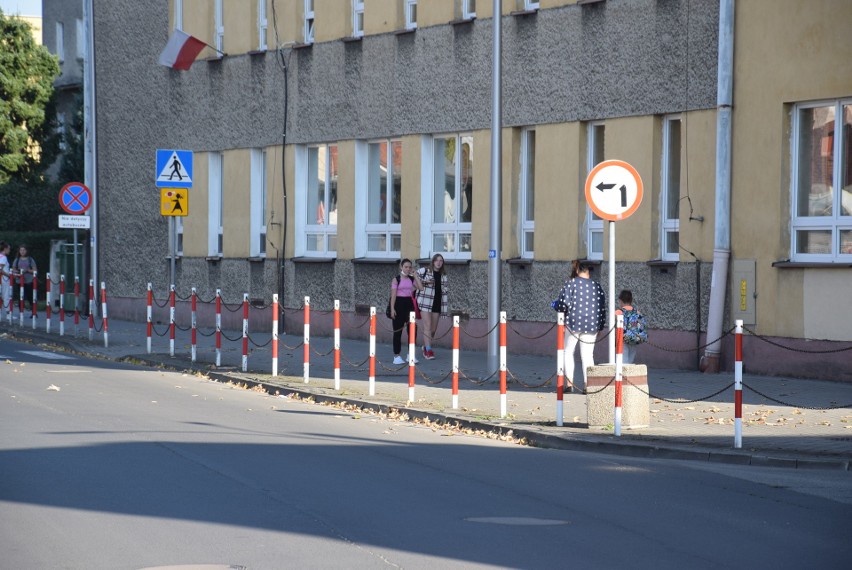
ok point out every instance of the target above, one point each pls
(722, 241)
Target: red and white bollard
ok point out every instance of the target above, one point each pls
(372, 378)
(21, 301)
(104, 314)
(61, 305)
(455, 362)
(171, 320)
(92, 311)
(619, 370)
(49, 301)
(76, 304)
(193, 305)
(275, 335)
(336, 344)
(245, 332)
(218, 327)
(412, 349)
(738, 385)
(307, 340)
(35, 298)
(503, 367)
(560, 368)
(149, 316)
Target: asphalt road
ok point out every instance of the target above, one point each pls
(119, 467)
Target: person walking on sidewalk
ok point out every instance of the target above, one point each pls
(5, 279)
(634, 326)
(585, 317)
(403, 287)
(25, 265)
(432, 300)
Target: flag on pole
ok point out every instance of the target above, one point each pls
(181, 50)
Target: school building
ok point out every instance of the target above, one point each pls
(330, 138)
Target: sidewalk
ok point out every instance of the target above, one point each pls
(786, 421)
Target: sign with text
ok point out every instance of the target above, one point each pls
(75, 222)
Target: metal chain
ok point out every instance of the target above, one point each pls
(298, 346)
(238, 307)
(777, 401)
(259, 345)
(321, 354)
(482, 336)
(697, 348)
(180, 328)
(552, 326)
(478, 382)
(211, 333)
(366, 322)
(165, 332)
(235, 339)
(352, 364)
(678, 400)
(531, 386)
(434, 382)
(163, 306)
(766, 340)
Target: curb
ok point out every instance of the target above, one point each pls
(603, 443)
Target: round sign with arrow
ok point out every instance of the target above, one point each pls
(614, 190)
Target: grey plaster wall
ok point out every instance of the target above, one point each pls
(613, 59)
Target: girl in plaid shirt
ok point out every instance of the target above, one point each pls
(432, 300)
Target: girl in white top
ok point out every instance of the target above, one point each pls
(5, 277)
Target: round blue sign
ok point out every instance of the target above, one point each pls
(75, 198)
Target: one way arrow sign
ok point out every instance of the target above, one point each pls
(619, 190)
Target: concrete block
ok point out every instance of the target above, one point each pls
(600, 397)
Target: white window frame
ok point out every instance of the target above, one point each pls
(215, 195)
(309, 22)
(178, 6)
(526, 190)
(80, 39)
(468, 11)
(257, 239)
(594, 224)
(670, 188)
(531, 4)
(364, 178)
(357, 18)
(836, 224)
(219, 27)
(60, 41)
(410, 14)
(431, 229)
(262, 25)
(326, 231)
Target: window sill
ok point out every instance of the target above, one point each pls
(462, 21)
(405, 32)
(520, 261)
(302, 45)
(214, 58)
(375, 261)
(787, 264)
(581, 2)
(661, 263)
(351, 39)
(213, 258)
(256, 259)
(524, 13)
(313, 259)
(257, 52)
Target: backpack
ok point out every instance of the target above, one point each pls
(634, 327)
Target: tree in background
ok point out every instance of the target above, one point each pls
(29, 140)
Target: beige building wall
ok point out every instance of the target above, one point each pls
(236, 203)
(346, 199)
(198, 18)
(195, 224)
(411, 192)
(333, 19)
(558, 171)
(382, 16)
(697, 182)
(813, 41)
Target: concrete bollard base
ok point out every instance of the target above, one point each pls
(600, 401)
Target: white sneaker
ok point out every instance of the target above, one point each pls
(415, 360)
(399, 360)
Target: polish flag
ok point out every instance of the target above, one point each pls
(181, 50)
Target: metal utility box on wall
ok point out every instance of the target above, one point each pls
(744, 291)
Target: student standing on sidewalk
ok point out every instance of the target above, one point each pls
(24, 264)
(403, 287)
(585, 317)
(5, 278)
(634, 326)
(432, 300)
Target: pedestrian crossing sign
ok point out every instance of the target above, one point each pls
(174, 168)
(174, 202)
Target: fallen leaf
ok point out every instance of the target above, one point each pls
(53, 388)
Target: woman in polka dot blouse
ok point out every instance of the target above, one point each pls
(584, 318)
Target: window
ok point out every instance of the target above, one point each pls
(215, 173)
(261, 25)
(219, 25)
(178, 14)
(468, 11)
(257, 245)
(316, 171)
(452, 195)
(530, 4)
(410, 14)
(81, 39)
(60, 41)
(358, 18)
(309, 21)
(594, 224)
(384, 198)
(527, 193)
(822, 163)
(670, 191)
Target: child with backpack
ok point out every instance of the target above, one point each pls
(634, 326)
